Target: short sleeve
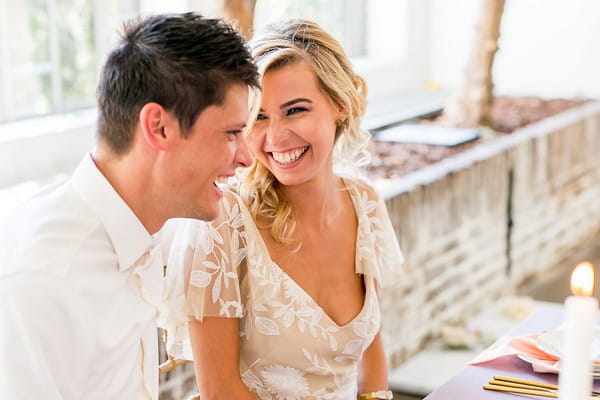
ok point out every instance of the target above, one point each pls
(389, 255)
(203, 267)
(380, 255)
(213, 289)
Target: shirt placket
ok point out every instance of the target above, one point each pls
(149, 279)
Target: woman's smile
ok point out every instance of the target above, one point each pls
(289, 157)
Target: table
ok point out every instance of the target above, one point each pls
(468, 383)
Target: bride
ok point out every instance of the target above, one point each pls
(281, 289)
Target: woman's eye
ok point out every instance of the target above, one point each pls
(261, 117)
(295, 110)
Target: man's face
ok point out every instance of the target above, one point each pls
(212, 151)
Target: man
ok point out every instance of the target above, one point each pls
(80, 272)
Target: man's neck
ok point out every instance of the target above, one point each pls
(131, 179)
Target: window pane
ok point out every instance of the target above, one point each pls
(53, 50)
(77, 53)
(343, 19)
(29, 65)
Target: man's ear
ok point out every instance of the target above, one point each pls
(155, 121)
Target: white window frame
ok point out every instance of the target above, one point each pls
(5, 86)
(388, 73)
(354, 18)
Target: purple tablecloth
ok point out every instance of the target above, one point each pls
(468, 383)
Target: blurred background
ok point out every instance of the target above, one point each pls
(51, 51)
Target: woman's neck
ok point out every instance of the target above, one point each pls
(316, 202)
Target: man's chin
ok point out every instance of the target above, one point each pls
(207, 213)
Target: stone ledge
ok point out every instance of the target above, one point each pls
(390, 188)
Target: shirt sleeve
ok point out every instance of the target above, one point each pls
(203, 273)
(41, 337)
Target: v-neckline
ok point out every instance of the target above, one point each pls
(366, 299)
(366, 282)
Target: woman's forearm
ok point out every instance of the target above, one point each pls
(372, 368)
(228, 390)
(216, 348)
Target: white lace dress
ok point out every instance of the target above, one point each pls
(290, 348)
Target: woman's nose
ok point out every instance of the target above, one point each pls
(276, 133)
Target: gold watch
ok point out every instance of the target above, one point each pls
(379, 394)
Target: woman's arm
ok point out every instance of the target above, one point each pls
(372, 368)
(216, 348)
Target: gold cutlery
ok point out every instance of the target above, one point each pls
(509, 389)
(522, 386)
(530, 383)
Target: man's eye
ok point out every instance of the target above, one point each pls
(235, 132)
(295, 110)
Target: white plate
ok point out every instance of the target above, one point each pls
(530, 360)
(551, 342)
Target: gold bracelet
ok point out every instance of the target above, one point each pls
(379, 394)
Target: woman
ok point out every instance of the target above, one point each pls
(282, 287)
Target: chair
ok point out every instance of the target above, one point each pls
(170, 364)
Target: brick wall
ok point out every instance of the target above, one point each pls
(556, 196)
(479, 225)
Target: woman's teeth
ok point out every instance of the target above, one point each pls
(289, 157)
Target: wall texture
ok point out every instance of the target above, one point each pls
(483, 223)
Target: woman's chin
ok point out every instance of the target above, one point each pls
(290, 179)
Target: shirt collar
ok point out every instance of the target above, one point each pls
(129, 237)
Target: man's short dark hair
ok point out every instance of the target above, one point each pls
(184, 62)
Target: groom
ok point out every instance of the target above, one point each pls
(80, 272)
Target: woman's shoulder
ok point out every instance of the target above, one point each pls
(231, 194)
(363, 187)
(232, 201)
(234, 213)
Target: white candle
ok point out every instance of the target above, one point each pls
(575, 378)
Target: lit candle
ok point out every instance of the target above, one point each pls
(575, 378)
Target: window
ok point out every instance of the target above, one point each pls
(50, 51)
(343, 19)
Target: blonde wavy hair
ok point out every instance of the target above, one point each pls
(282, 44)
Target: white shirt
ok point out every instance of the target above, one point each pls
(80, 284)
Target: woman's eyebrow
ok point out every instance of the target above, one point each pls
(298, 100)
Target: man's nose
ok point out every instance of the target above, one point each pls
(243, 158)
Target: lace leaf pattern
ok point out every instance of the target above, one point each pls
(379, 252)
(303, 353)
(214, 278)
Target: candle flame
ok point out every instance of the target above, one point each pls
(582, 279)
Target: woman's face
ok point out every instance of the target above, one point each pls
(294, 133)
